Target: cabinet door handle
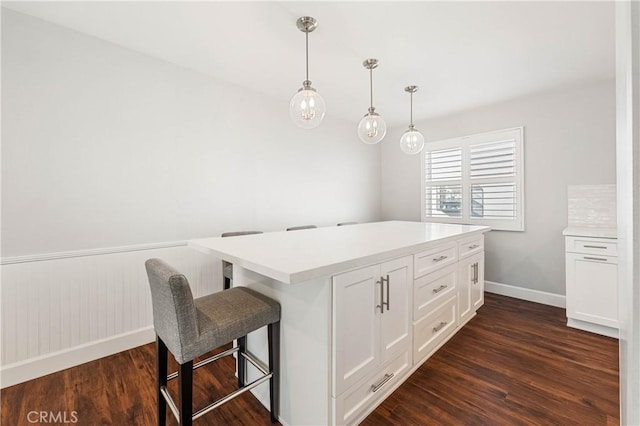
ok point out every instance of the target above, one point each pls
(439, 289)
(381, 383)
(381, 305)
(439, 326)
(601, 259)
(441, 258)
(596, 247)
(475, 273)
(388, 293)
(475, 246)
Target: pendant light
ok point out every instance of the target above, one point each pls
(372, 127)
(307, 108)
(412, 140)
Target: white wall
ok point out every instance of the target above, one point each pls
(109, 157)
(569, 138)
(103, 146)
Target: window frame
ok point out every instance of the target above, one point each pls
(464, 143)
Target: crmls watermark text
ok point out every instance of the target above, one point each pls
(52, 417)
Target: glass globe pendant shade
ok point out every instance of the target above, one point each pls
(412, 141)
(372, 128)
(307, 108)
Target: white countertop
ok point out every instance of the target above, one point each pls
(591, 232)
(297, 256)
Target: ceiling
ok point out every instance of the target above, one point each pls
(462, 55)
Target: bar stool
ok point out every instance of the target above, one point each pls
(297, 228)
(190, 328)
(227, 268)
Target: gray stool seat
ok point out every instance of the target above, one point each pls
(189, 328)
(229, 315)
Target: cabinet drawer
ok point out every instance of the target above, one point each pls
(470, 246)
(436, 258)
(430, 290)
(359, 400)
(601, 246)
(433, 329)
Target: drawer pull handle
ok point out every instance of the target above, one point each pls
(601, 259)
(439, 289)
(438, 259)
(385, 379)
(475, 246)
(439, 327)
(596, 247)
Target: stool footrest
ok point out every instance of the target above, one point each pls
(248, 356)
(207, 361)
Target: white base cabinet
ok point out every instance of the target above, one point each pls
(471, 278)
(391, 317)
(592, 284)
(372, 320)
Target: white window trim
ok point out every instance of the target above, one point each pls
(464, 142)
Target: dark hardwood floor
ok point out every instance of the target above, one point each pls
(515, 363)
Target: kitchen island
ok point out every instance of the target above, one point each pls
(362, 307)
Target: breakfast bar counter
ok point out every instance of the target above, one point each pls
(362, 307)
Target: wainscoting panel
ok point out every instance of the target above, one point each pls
(59, 311)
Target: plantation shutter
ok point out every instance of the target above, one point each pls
(475, 179)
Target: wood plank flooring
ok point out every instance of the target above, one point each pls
(515, 363)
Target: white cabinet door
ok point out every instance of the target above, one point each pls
(592, 288)
(356, 326)
(466, 272)
(371, 319)
(470, 285)
(395, 331)
(477, 284)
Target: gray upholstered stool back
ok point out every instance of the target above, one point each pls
(174, 313)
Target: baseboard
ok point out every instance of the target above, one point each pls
(537, 296)
(29, 369)
(593, 328)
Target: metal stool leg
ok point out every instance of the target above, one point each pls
(162, 357)
(242, 362)
(185, 385)
(273, 332)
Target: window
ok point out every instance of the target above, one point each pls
(476, 179)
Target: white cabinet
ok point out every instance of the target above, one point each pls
(390, 317)
(470, 278)
(448, 295)
(592, 284)
(477, 282)
(372, 313)
(395, 320)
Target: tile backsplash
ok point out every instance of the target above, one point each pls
(592, 206)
